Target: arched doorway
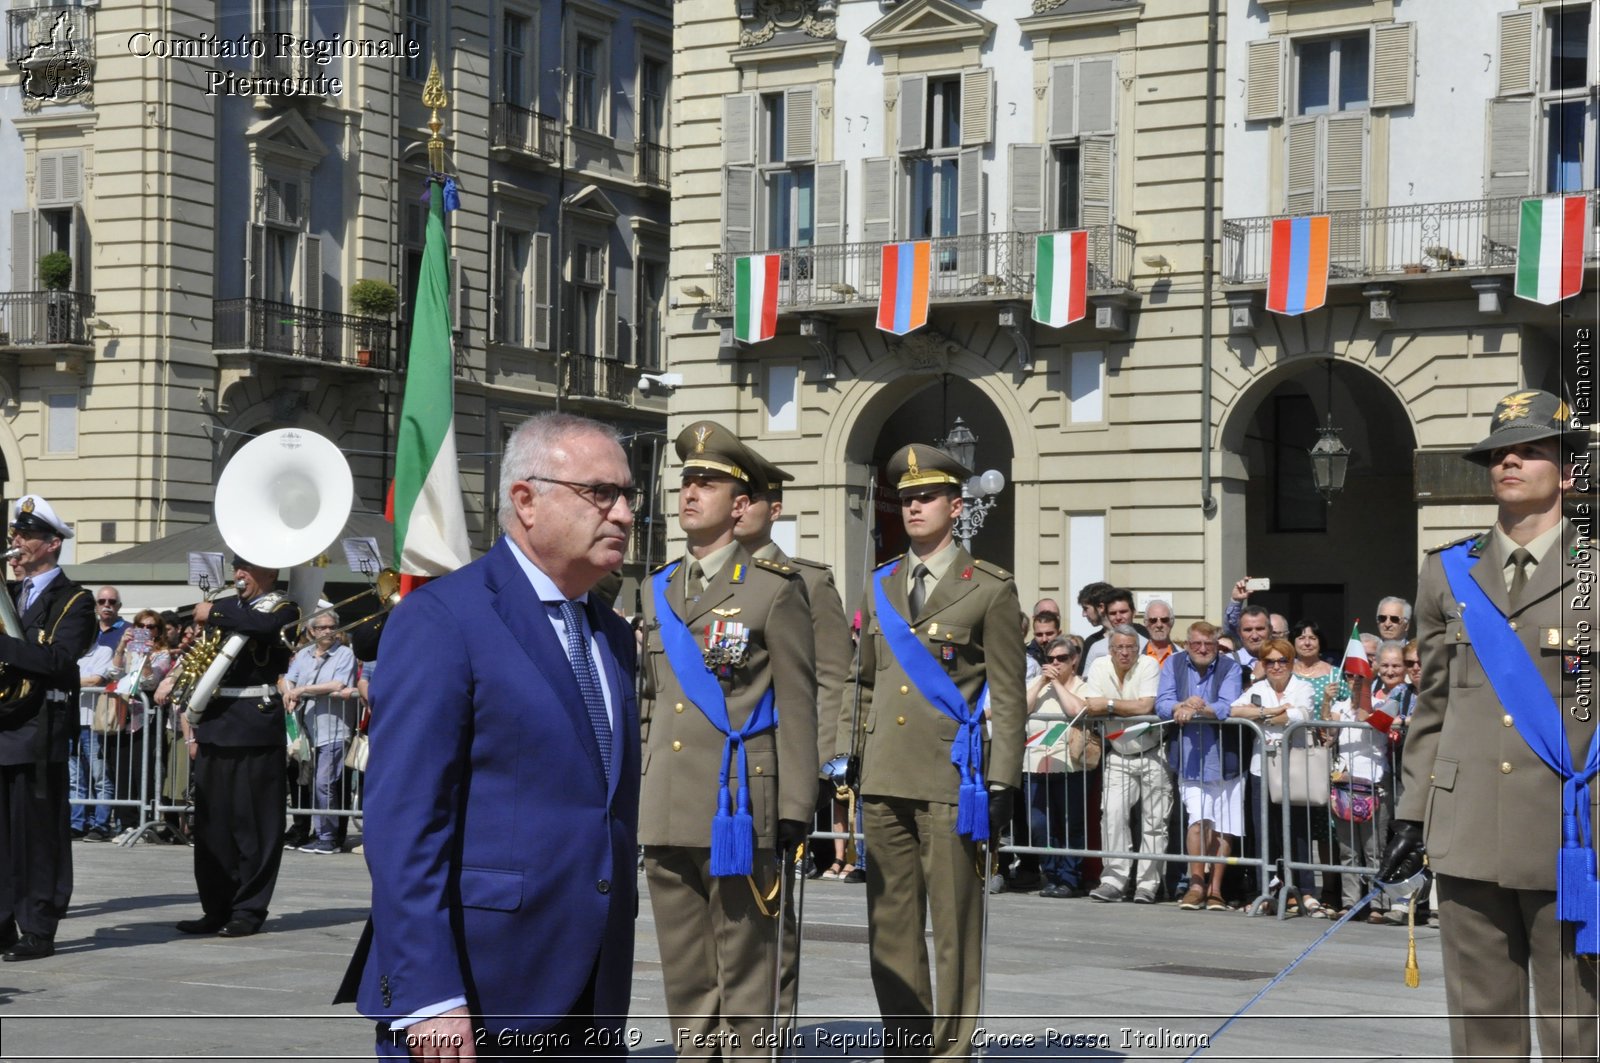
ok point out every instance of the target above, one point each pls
(926, 414)
(1328, 561)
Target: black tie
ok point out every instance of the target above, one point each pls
(1519, 574)
(919, 590)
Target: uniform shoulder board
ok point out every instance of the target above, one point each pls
(1455, 542)
(663, 565)
(893, 561)
(991, 569)
(802, 562)
(781, 568)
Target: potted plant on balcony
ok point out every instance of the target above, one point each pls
(55, 275)
(374, 301)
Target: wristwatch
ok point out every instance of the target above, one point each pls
(1111, 704)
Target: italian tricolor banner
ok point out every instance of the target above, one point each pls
(1061, 267)
(1550, 249)
(430, 524)
(755, 297)
(1357, 668)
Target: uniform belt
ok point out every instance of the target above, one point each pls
(57, 695)
(259, 691)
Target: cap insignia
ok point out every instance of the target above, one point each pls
(1514, 407)
(911, 463)
(701, 434)
(26, 505)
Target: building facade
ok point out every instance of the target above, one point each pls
(221, 175)
(1161, 441)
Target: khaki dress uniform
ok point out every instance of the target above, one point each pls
(910, 790)
(1492, 809)
(718, 944)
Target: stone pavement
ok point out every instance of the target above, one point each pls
(1067, 978)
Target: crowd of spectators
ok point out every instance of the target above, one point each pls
(132, 747)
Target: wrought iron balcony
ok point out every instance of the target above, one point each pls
(40, 319)
(1419, 238)
(524, 131)
(585, 376)
(28, 28)
(986, 267)
(256, 326)
(269, 64)
(653, 160)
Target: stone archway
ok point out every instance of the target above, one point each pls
(1328, 562)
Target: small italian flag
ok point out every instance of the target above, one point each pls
(1061, 266)
(1550, 249)
(755, 298)
(1357, 668)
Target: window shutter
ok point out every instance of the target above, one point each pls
(1394, 64)
(913, 108)
(829, 222)
(800, 124)
(71, 163)
(272, 203)
(1062, 120)
(1096, 162)
(539, 270)
(1344, 168)
(739, 129)
(1300, 169)
(977, 107)
(1097, 96)
(609, 328)
(969, 192)
(47, 180)
(1518, 66)
(1510, 149)
(502, 286)
(878, 179)
(1025, 212)
(739, 209)
(80, 249)
(255, 260)
(24, 271)
(310, 271)
(1263, 98)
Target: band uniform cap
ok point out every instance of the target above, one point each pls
(709, 447)
(919, 465)
(1526, 416)
(33, 513)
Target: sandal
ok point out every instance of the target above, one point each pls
(1313, 907)
(836, 870)
(1215, 903)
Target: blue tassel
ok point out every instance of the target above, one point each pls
(722, 839)
(1575, 884)
(972, 813)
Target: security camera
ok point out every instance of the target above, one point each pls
(664, 382)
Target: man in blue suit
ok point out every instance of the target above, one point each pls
(502, 794)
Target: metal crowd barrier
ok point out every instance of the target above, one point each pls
(114, 770)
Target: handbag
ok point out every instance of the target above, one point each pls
(1309, 767)
(1084, 747)
(110, 715)
(1354, 800)
(355, 758)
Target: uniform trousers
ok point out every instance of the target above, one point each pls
(36, 840)
(239, 794)
(718, 950)
(921, 865)
(1142, 779)
(1493, 939)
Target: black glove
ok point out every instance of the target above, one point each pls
(792, 834)
(1402, 857)
(1001, 799)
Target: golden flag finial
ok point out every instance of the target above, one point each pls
(433, 95)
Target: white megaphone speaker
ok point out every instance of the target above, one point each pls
(283, 498)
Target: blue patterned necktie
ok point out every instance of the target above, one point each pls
(24, 593)
(594, 699)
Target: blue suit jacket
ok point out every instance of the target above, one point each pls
(502, 856)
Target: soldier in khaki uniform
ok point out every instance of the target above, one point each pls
(956, 620)
(748, 632)
(1490, 808)
(830, 637)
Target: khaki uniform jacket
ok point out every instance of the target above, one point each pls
(682, 751)
(830, 634)
(1492, 808)
(906, 741)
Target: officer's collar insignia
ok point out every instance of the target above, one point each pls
(911, 463)
(701, 434)
(738, 573)
(966, 573)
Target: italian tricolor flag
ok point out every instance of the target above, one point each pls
(430, 524)
(1550, 249)
(1061, 265)
(755, 298)
(1357, 668)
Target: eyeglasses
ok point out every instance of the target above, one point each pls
(1275, 662)
(1059, 658)
(147, 627)
(1412, 662)
(1201, 644)
(1152, 620)
(107, 601)
(1391, 619)
(602, 495)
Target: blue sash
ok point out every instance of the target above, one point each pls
(732, 832)
(966, 752)
(1534, 710)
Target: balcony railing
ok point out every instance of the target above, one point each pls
(653, 159)
(586, 376)
(36, 319)
(1468, 234)
(256, 326)
(269, 64)
(28, 28)
(985, 267)
(513, 128)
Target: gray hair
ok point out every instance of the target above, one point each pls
(1122, 629)
(1391, 646)
(1158, 601)
(1405, 606)
(531, 451)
